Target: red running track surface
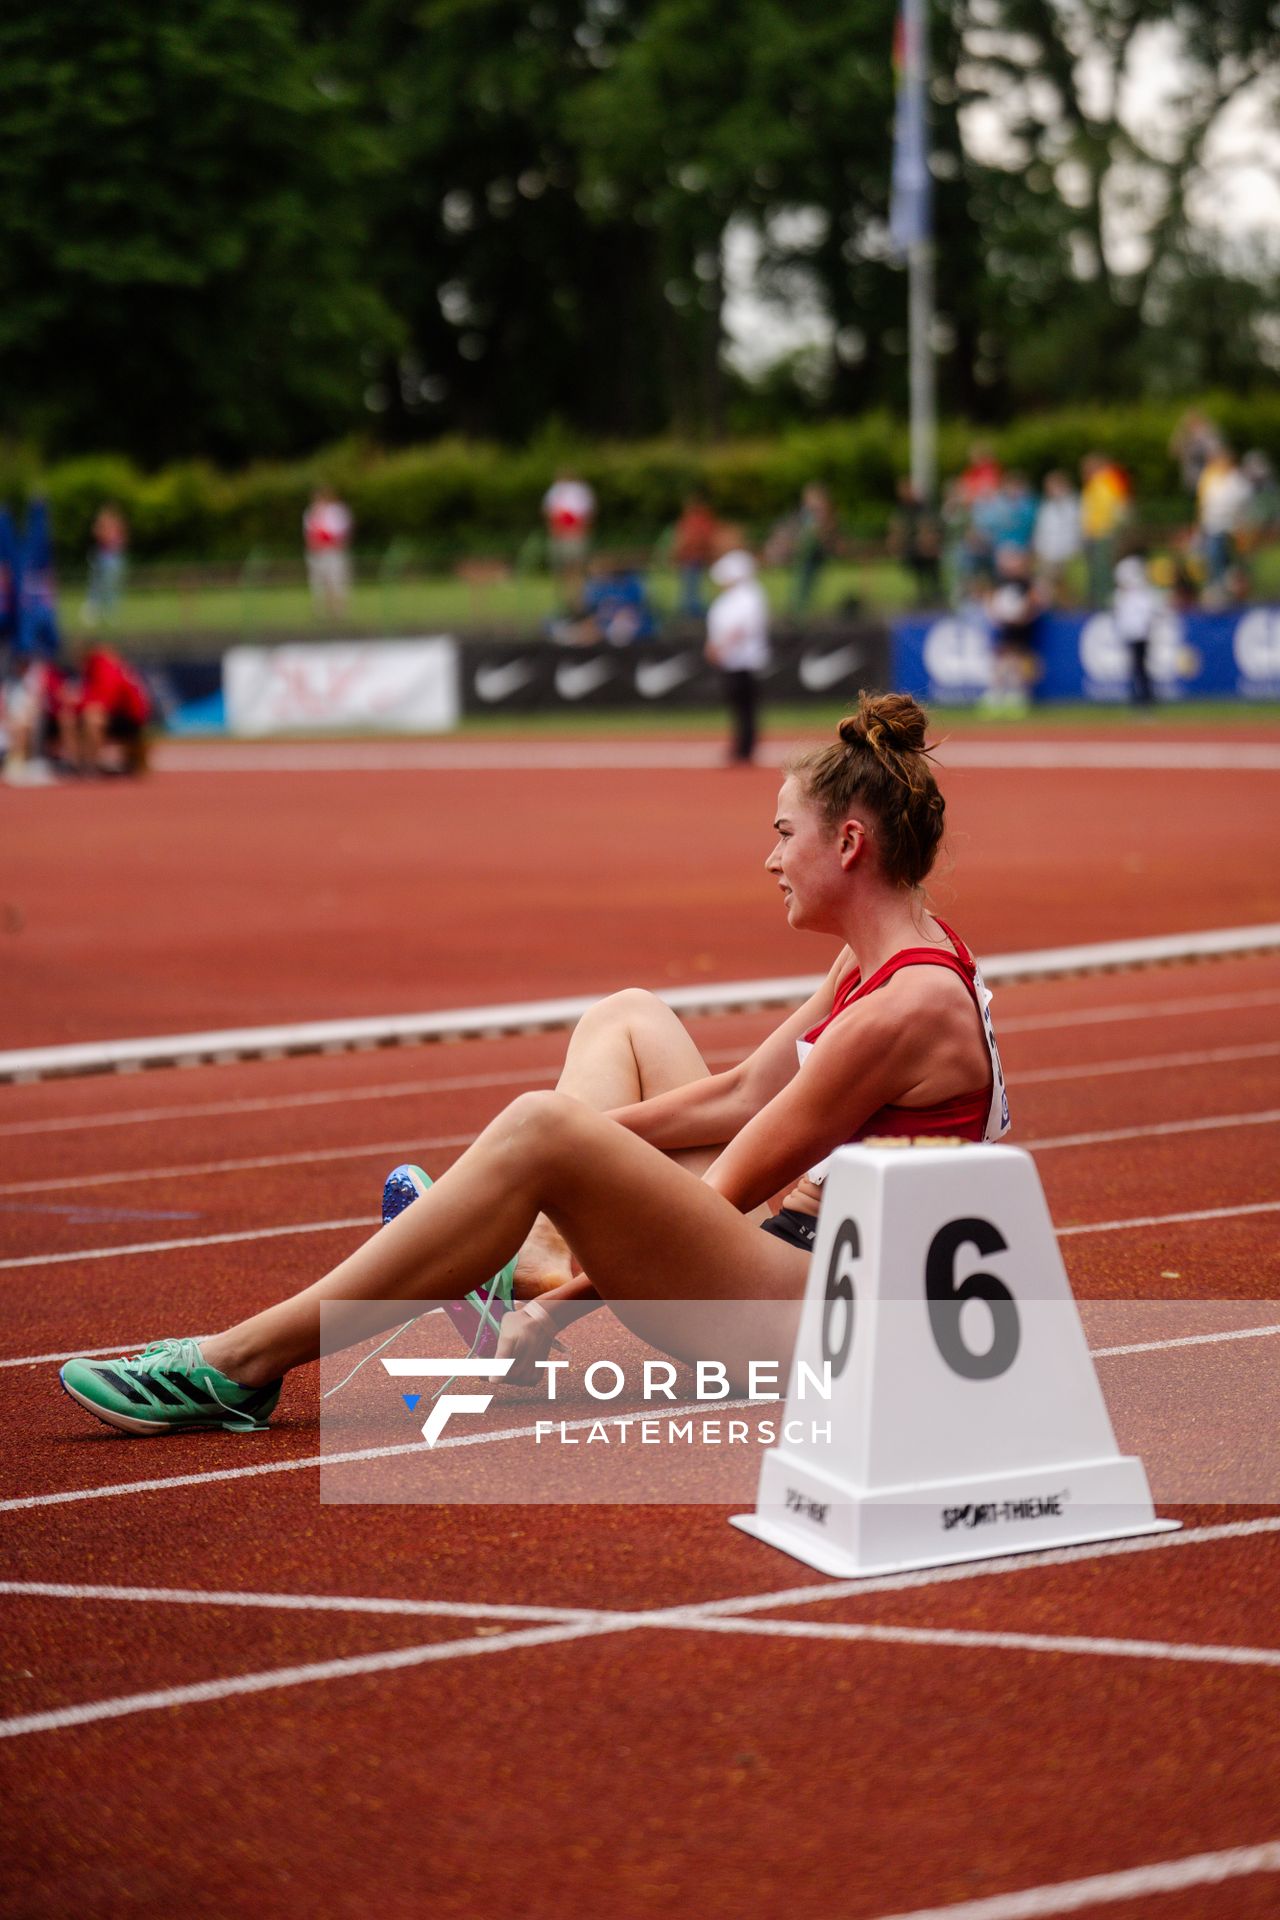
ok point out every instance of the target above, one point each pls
(634, 1769)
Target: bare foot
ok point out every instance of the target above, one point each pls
(544, 1261)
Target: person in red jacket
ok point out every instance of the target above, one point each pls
(105, 714)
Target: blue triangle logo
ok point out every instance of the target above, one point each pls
(411, 1400)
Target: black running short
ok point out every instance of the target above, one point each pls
(796, 1228)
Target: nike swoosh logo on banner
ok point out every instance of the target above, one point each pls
(499, 683)
(573, 683)
(654, 678)
(818, 671)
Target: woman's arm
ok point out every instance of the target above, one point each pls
(895, 1043)
(708, 1112)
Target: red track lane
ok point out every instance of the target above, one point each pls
(639, 1772)
(315, 896)
(806, 1792)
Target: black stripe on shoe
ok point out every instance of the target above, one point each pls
(123, 1384)
(165, 1392)
(198, 1396)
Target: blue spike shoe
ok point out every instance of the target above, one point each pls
(478, 1317)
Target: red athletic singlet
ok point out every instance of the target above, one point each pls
(982, 1113)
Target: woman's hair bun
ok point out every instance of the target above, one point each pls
(886, 722)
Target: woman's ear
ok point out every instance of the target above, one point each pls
(853, 838)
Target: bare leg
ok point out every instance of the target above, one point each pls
(626, 1048)
(642, 1227)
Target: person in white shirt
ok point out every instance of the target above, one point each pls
(569, 513)
(1057, 537)
(1223, 498)
(1134, 606)
(738, 643)
(326, 534)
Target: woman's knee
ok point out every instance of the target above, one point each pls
(540, 1125)
(628, 1008)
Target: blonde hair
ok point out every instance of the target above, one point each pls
(880, 762)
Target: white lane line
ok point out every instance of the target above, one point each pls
(278, 1103)
(1099, 1353)
(1185, 1340)
(1133, 1010)
(1150, 1063)
(486, 756)
(988, 1569)
(1073, 1643)
(203, 1691)
(117, 1346)
(365, 1220)
(1169, 1219)
(678, 1618)
(492, 1437)
(1211, 1123)
(74, 1353)
(581, 1626)
(299, 1602)
(259, 1162)
(358, 1150)
(1100, 1889)
(413, 1089)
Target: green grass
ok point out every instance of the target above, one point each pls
(182, 618)
(206, 614)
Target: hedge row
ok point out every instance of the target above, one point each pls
(454, 497)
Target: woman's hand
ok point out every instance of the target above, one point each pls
(527, 1335)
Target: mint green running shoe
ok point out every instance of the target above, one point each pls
(167, 1388)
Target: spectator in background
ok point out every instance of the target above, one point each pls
(1104, 508)
(1135, 604)
(695, 544)
(1057, 534)
(105, 712)
(1014, 611)
(738, 643)
(981, 477)
(1222, 503)
(30, 718)
(814, 537)
(614, 608)
(1260, 522)
(1017, 526)
(915, 541)
(1194, 442)
(110, 537)
(569, 515)
(326, 534)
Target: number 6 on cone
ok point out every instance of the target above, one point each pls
(964, 1417)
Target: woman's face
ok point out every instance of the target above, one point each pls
(806, 863)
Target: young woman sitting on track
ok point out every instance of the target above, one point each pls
(644, 1170)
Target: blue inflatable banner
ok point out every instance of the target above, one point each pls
(946, 658)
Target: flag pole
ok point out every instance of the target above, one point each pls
(924, 400)
(911, 231)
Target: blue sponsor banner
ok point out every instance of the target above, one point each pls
(946, 658)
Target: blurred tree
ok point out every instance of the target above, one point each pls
(528, 290)
(1103, 114)
(236, 227)
(180, 211)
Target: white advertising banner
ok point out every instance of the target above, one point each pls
(380, 686)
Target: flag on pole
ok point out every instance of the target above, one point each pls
(910, 208)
